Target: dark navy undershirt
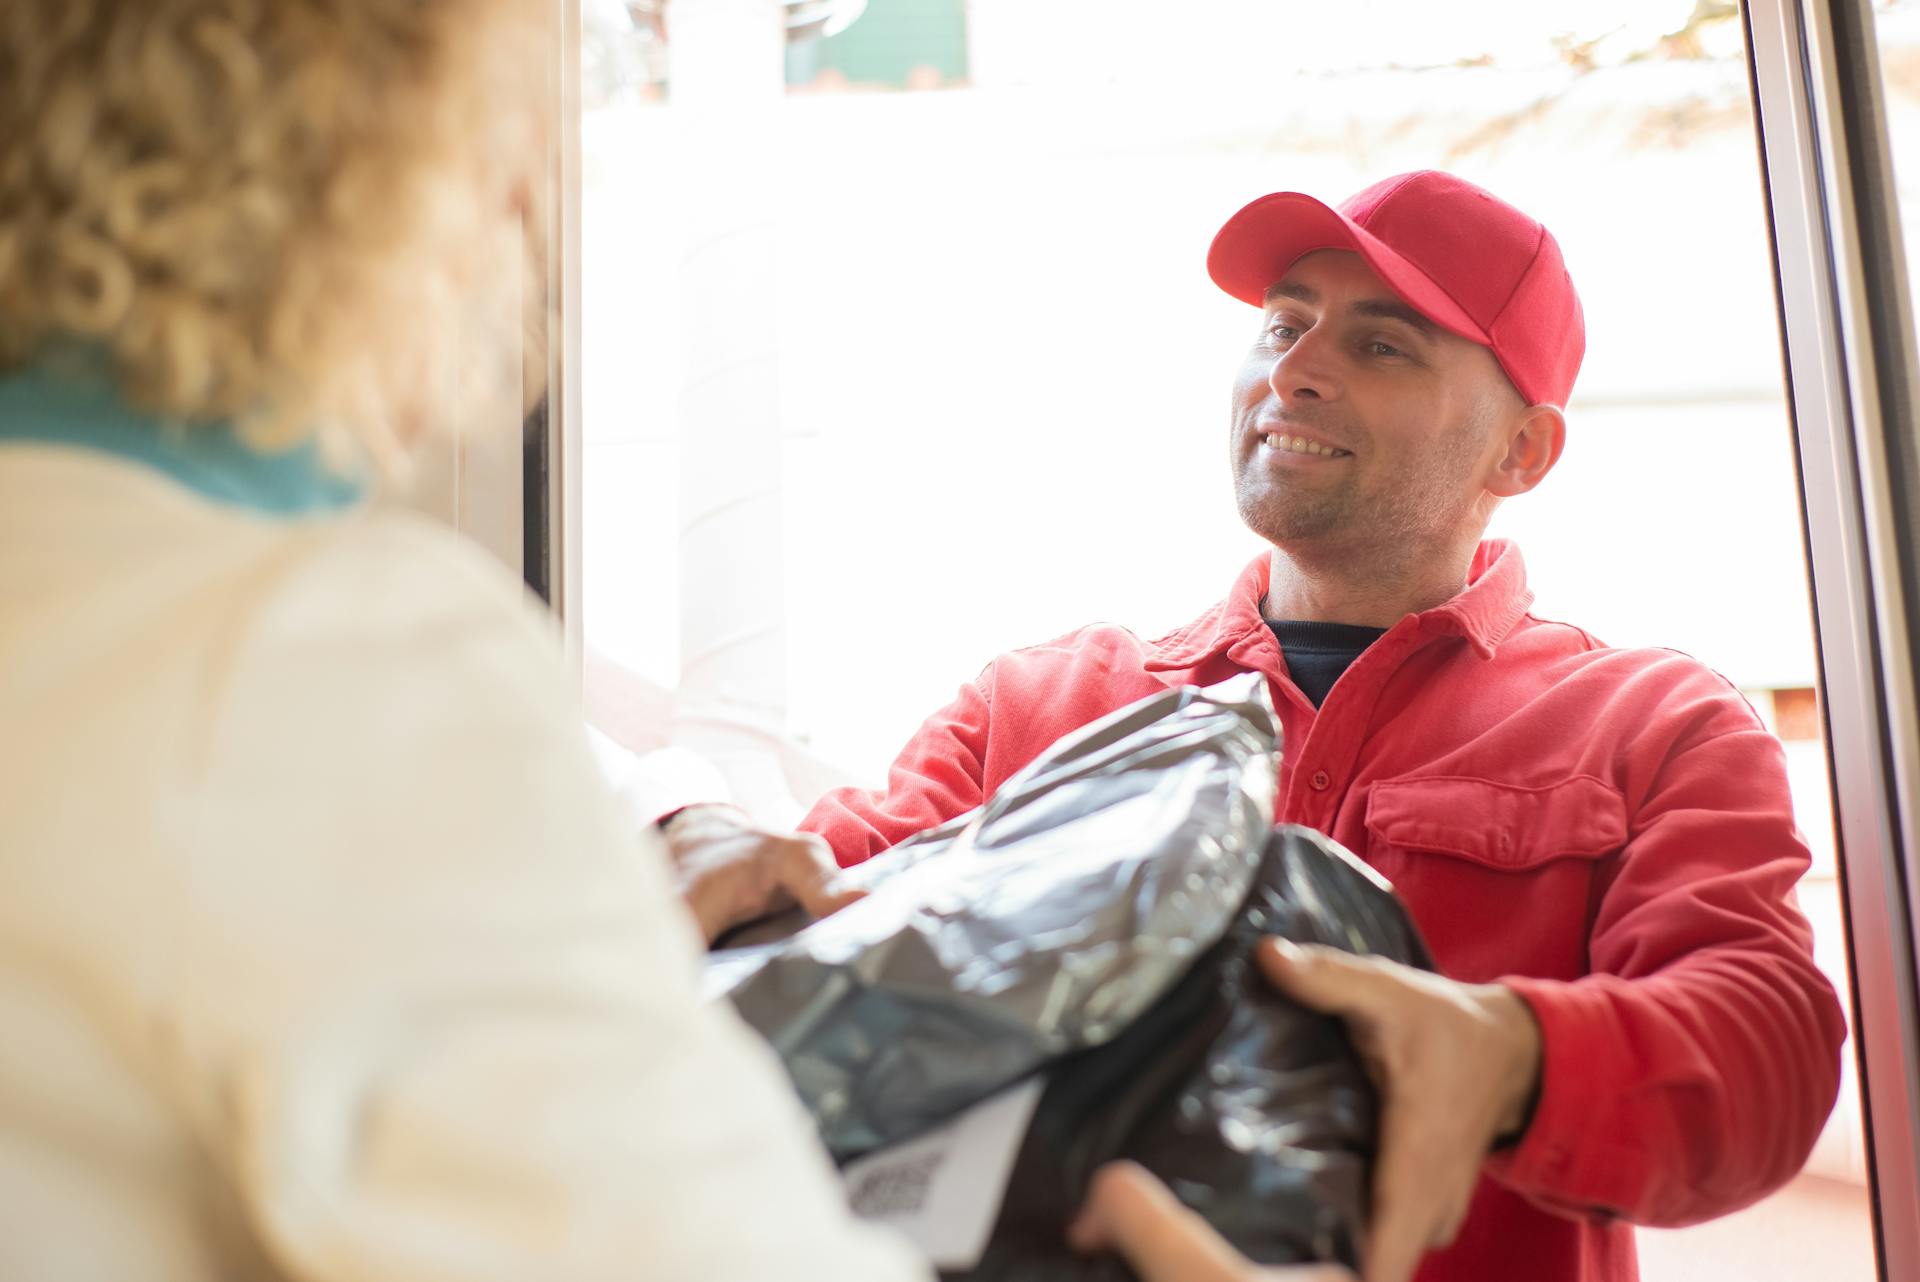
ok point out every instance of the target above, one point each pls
(1317, 653)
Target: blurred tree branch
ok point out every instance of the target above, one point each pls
(1584, 56)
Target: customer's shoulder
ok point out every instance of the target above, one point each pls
(387, 569)
(374, 602)
(391, 551)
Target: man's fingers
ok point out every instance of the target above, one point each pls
(1329, 980)
(807, 872)
(1456, 1214)
(1131, 1213)
(1402, 1221)
(1421, 1187)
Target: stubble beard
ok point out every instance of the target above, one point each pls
(1283, 517)
(1417, 507)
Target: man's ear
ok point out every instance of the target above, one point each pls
(1535, 437)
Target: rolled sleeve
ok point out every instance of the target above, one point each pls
(939, 774)
(1691, 1072)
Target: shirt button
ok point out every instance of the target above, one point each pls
(1320, 780)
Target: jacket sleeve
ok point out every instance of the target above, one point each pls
(939, 774)
(1690, 1072)
(431, 1003)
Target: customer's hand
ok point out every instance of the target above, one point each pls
(731, 871)
(1456, 1065)
(1132, 1214)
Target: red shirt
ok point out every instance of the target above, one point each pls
(1606, 831)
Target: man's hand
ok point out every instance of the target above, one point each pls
(731, 871)
(1131, 1213)
(1456, 1065)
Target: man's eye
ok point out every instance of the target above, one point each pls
(1282, 333)
(1379, 348)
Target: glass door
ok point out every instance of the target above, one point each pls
(886, 317)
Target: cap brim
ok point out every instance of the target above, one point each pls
(1257, 246)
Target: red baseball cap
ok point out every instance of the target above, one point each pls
(1457, 254)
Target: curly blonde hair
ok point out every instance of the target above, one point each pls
(272, 212)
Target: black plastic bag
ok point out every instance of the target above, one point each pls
(1043, 923)
(1255, 1111)
(1093, 924)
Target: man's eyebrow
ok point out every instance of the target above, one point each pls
(1380, 308)
(1394, 309)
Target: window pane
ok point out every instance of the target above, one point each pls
(993, 373)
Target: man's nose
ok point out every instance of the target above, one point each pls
(1305, 371)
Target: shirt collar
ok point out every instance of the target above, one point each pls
(1492, 604)
(77, 405)
(1495, 599)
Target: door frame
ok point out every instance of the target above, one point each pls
(1847, 341)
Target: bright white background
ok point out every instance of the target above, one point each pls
(1002, 370)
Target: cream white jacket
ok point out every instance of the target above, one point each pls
(324, 952)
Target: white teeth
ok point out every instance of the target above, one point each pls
(1296, 445)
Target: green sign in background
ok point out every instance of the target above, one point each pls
(886, 44)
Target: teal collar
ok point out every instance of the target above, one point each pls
(84, 411)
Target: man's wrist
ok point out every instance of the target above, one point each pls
(1519, 1033)
(666, 823)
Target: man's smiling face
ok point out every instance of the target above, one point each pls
(1358, 425)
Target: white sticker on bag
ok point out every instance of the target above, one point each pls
(943, 1189)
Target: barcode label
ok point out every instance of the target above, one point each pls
(943, 1190)
(895, 1189)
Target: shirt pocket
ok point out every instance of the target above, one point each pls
(1499, 876)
